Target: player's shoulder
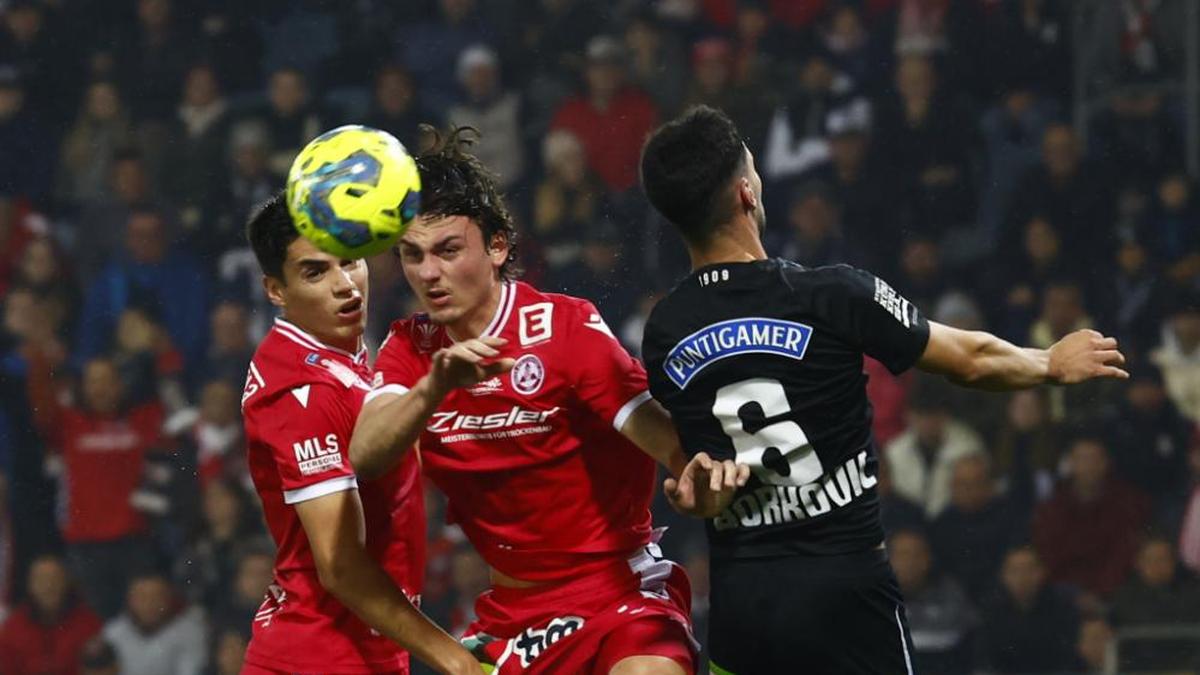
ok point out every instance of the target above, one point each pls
(281, 365)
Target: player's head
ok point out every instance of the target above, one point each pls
(698, 173)
(463, 245)
(319, 292)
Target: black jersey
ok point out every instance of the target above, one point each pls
(763, 362)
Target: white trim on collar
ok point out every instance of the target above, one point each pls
(508, 298)
(296, 334)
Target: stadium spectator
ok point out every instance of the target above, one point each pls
(1178, 356)
(598, 273)
(25, 145)
(255, 563)
(395, 107)
(969, 538)
(46, 634)
(157, 633)
(922, 458)
(102, 445)
(290, 118)
(814, 237)
(468, 578)
(867, 197)
(1133, 298)
(101, 129)
(1183, 513)
(922, 138)
(1032, 40)
(249, 180)
(611, 118)
(229, 651)
(1088, 531)
(566, 202)
(492, 109)
(922, 276)
(1147, 435)
(1158, 594)
(714, 82)
(796, 138)
(150, 367)
(1028, 450)
(1029, 627)
(198, 160)
(229, 343)
(45, 271)
(657, 61)
(897, 512)
(1012, 132)
(1066, 190)
(430, 49)
(940, 617)
(18, 229)
(152, 59)
(32, 45)
(1174, 229)
(149, 273)
(206, 569)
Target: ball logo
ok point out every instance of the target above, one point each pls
(528, 374)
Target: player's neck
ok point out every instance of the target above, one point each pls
(473, 323)
(727, 248)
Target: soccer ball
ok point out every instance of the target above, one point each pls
(353, 191)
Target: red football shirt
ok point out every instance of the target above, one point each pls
(532, 463)
(300, 404)
(103, 461)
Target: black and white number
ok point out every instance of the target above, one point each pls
(753, 414)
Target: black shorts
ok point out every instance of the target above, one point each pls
(828, 615)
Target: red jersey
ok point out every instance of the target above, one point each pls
(103, 458)
(300, 404)
(532, 463)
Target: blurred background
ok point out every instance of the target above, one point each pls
(1023, 166)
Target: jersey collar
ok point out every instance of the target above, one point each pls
(294, 333)
(508, 298)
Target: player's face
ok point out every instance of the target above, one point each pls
(453, 274)
(322, 294)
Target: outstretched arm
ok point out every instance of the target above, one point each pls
(980, 360)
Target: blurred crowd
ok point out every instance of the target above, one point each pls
(930, 141)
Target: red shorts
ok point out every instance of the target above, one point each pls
(585, 626)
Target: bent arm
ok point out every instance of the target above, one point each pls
(336, 533)
(388, 425)
(980, 360)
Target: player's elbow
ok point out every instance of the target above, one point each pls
(364, 459)
(335, 572)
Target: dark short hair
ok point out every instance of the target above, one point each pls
(686, 166)
(270, 231)
(455, 183)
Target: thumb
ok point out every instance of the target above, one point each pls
(670, 487)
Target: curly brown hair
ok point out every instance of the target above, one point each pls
(455, 183)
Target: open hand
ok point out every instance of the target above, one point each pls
(706, 486)
(1083, 355)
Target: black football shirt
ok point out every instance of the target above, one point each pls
(762, 362)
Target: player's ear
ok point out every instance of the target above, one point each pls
(497, 249)
(746, 196)
(274, 290)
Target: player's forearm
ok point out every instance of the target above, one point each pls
(651, 429)
(385, 430)
(358, 583)
(995, 364)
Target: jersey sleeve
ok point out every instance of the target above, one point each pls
(605, 377)
(398, 367)
(307, 429)
(874, 317)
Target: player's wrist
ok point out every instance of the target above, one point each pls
(431, 391)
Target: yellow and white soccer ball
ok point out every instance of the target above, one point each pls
(353, 191)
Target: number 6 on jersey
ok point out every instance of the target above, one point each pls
(777, 450)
